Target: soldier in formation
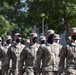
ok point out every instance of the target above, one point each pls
(28, 55)
(43, 40)
(1, 55)
(8, 40)
(68, 56)
(45, 54)
(13, 54)
(56, 47)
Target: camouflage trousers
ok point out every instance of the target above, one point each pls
(10, 72)
(70, 71)
(3, 72)
(29, 70)
(29, 73)
(47, 73)
(55, 72)
(0, 72)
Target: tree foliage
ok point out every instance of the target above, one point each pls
(17, 18)
(59, 14)
(4, 25)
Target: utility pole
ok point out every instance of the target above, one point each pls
(43, 24)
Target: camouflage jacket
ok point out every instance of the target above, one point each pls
(28, 56)
(45, 58)
(56, 50)
(13, 54)
(2, 55)
(67, 57)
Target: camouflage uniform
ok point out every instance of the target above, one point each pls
(13, 53)
(45, 54)
(1, 55)
(56, 47)
(1, 59)
(68, 53)
(4, 49)
(29, 56)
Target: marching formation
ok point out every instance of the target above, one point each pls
(45, 58)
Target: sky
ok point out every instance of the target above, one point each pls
(24, 9)
(23, 1)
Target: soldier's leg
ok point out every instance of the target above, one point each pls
(47, 73)
(30, 73)
(55, 72)
(13, 72)
(4, 72)
(0, 72)
(70, 71)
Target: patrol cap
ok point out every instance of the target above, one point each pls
(32, 35)
(72, 30)
(42, 38)
(0, 38)
(56, 36)
(8, 37)
(50, 31)
(17, 34)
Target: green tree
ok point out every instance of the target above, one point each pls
(18, 20)
(59, 14)
(4, 26)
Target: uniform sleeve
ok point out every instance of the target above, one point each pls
(62, 54)
(39, 57)
(22, 59)
(1, 53)
(7, 59)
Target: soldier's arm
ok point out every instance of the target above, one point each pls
(22, 59)
(62, 55)
(1, 53)
(7, 60)
(39, 57)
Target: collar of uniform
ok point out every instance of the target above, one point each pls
(33, 45)
(17, 45)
